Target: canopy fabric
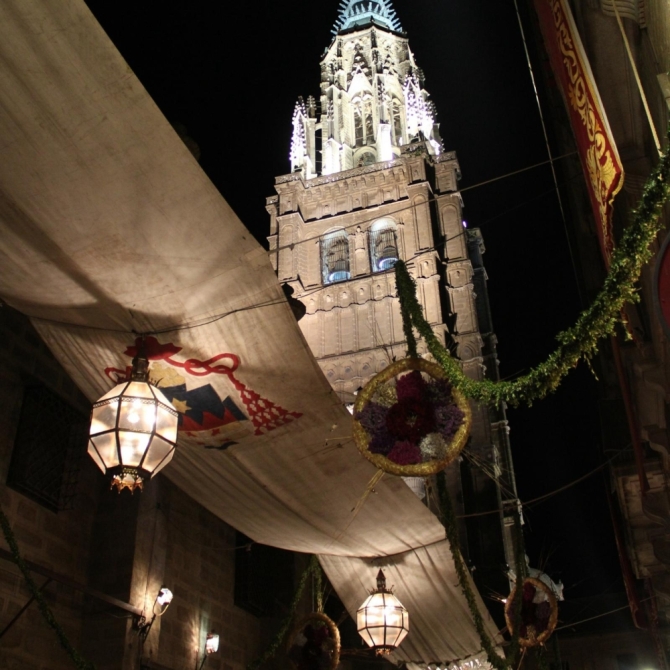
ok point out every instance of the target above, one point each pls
(109, 224)
(441, 630)
(109, 228)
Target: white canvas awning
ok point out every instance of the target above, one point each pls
(108, 228)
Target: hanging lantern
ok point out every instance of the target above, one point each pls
(133, 429)
(382, 620)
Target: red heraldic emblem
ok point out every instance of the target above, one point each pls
(206, 411)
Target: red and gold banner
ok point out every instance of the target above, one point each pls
(597, 150)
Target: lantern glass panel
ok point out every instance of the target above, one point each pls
(106, 446)
(133, 446)
(166, 423)
(94, 455)
(113, 393)
(164, 462)
(158, 450)
(104, 417)
(139, 390)
(137, 414)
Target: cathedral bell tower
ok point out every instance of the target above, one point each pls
(371, 183)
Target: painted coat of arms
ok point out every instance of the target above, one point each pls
(215, 408)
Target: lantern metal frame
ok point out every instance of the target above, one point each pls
(382, 598)
(125, 475)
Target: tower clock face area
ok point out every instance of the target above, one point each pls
(366, 162)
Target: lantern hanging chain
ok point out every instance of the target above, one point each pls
(273, 647)
(451, 528)
(44, 608)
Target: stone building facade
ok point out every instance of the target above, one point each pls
(371, 183)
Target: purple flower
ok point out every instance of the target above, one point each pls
(373, 417)
(448, 419)
(382, 442)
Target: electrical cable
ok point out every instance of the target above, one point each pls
(217, 317)
(548, 147)
(551, 493)
(431, 198)
(598, 616)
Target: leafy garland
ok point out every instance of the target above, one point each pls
(451, 527)
(578, 342)
(45, 610)
(314, 568)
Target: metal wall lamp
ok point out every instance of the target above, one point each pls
(211, 647)
(162, 602)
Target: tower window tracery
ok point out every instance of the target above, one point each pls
(397, 122)
(358, 124)
(335, 257)
(383, 245)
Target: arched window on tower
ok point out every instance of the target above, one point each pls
(397, 123)
(383, 245)
(335, 257)
(358, 124)
(369, 129)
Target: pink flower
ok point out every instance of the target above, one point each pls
(411, 387)
(405, 453)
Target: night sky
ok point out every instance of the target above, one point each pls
(231, 73)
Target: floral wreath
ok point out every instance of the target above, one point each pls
(539, 612)
(409, 420)
(314, 644)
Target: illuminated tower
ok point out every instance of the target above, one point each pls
(370, 182)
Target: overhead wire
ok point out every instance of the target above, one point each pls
(551, 493)
(198, 323)
(548, 147)
(431, 198)
(598, 616)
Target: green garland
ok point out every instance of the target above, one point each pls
(451, 527)
(45, 610)
(594, 323)
(313, 567)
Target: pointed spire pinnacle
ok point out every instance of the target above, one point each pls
(363, 12)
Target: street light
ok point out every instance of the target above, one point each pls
(382, 620)
(133, 429)
(162, 602)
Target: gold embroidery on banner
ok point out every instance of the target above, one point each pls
(600, 158)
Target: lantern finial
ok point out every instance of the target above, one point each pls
(140, 371)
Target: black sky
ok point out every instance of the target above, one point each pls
(231, 74)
